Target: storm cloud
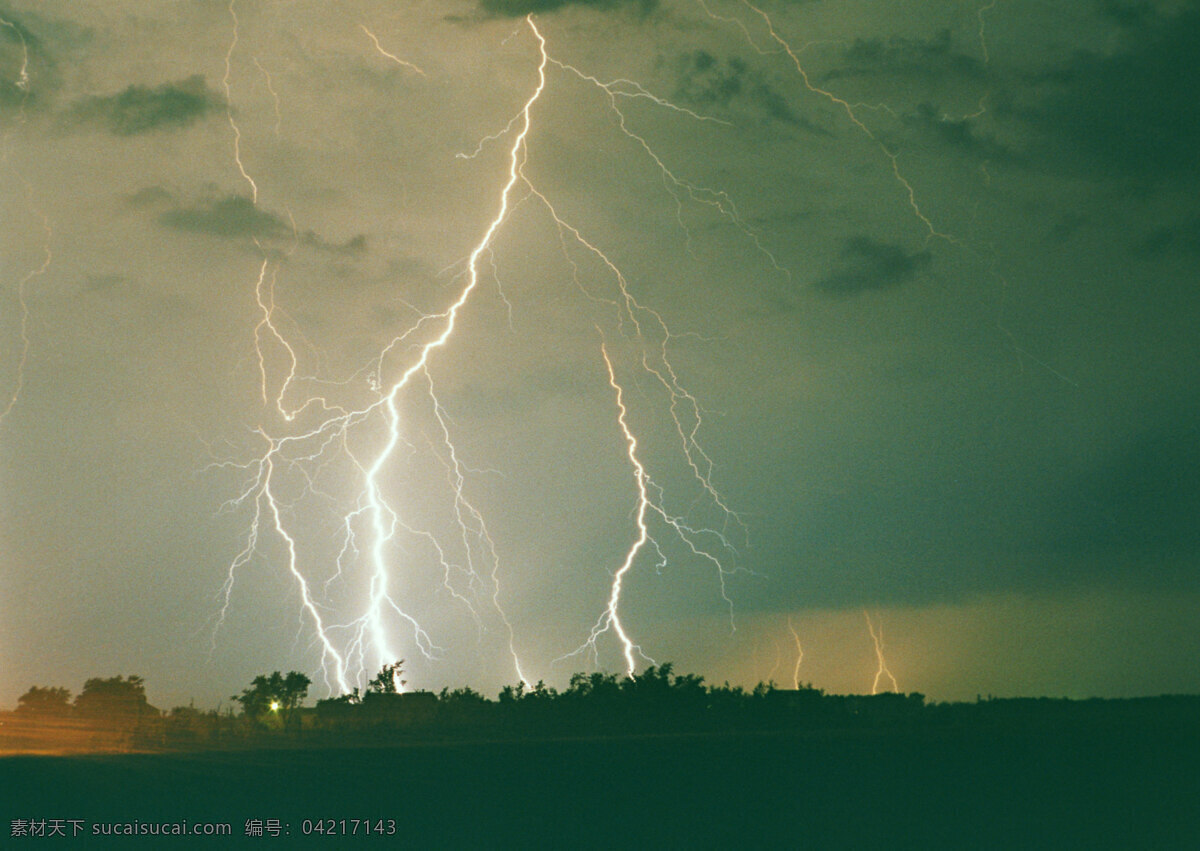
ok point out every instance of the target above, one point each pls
(1132, 112)
(234, 216)
(731, 83)
(911, 423)
(520, 8)
(867, 264)
(141, 109)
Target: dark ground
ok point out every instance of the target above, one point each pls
(932, 788)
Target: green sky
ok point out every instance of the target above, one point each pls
(917, 288)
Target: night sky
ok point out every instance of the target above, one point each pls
(924, 274)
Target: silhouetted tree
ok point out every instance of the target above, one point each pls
(274, 696)
(387, 681)
(595, 685)
(512, 694)
(45, 701)
(120, 698)
(350, 698)
(465, 695)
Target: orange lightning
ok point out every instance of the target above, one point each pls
(882, 671)
(799, 654)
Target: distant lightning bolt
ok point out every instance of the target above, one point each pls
(799, 654)
(274, 94)
(22, 81)
(882, 671)
(401, 62)
(678, 187)
(983, 45)
(22, 300)
(845, 106)
(260, 495)
(632, 310)
(461, 504)
(775, 660)
(237, 133)
(22, 84)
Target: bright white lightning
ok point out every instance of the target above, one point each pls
(611, 618)
(371, 528)
(629, 309)
(261, 496)
(380, 512)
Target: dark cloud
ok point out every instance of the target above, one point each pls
(139, 109)
(958, 133)
(353, 246)
(1143, 499)
(1132, 113)
(931, 58)
(517, 8)
(14, 43)
(867, 264)
(1182, 238)
(234, 216)
(148, 197)
(1128, 14)
(708, 81)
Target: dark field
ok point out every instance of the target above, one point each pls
(1096, 786)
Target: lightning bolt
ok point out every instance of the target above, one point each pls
(983, 45)
(22, 300)
(845, 106)
(882, 671)
(22, 83)
(403, 63)
(274, 94)
(611, 617)
(371, 530)
(237, 133)
(799, 654)
(378, 508)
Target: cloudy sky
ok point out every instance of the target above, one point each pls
(900, 300)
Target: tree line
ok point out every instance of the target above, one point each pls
(657, 700)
